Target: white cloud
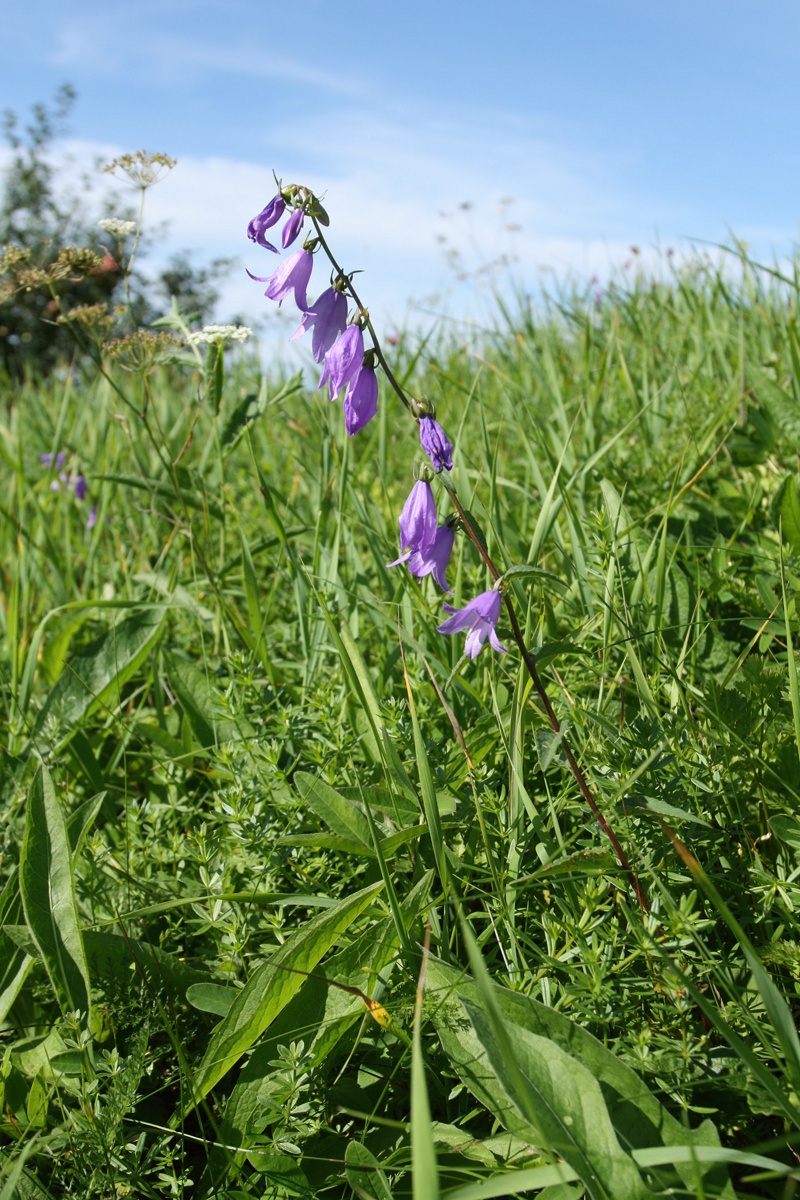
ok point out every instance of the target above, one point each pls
(394, 186)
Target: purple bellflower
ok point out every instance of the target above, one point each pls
(292, 228)
(292, 275)
(479, 619)
(417, 521)
(360, 400)
(328, 315)
(432, 558)
(268, 217)
(435, 443)
(91, 520)
(343, 361)
(47, 460)
(80, 487)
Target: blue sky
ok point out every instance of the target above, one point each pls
(605, 122)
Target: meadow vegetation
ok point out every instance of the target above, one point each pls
(299, 901)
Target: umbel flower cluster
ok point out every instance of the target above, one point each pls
(337, 342)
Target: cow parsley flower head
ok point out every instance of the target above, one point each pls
(117, 228)
(479, 619)
(216, 333)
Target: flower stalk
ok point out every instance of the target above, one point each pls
(345, 362)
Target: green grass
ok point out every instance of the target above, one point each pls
(235, 744)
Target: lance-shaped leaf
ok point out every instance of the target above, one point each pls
(47, 888)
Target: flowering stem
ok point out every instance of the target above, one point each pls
(530, 662)
(375, 341)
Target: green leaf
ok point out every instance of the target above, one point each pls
(203, 705)
(211, 997)
(335, 810)
(563, 1102)
(424, 1167)
(269, 989)
(281, 1171)
(789, 513)
(638, 1118)
(48, 896)
(96, 675)
(364, 1173)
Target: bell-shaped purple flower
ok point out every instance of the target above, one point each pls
(343, 361)
(292, 275)
(479, 619)
(268, 217)
(91, 520)
(360, 400)
(328, 316)
(80, 487)
(417, 521)
(432, 558)
(47, 460)
(436, 444)
(292, 228)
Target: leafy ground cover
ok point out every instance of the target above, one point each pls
(297, 900)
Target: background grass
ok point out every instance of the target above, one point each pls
(247, 720)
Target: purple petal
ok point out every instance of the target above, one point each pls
(91, 520)
(433, 559)
(292, 228)
(360, 400)
(292, 275)
(328, 316)
(436, 444)
(343, 361)
(268, 217)
(80, 487)
(418, 519)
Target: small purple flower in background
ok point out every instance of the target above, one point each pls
(328, 315)
(479, 618)
(91, 520)
(432, 558)
(80, 487)
(292, 228)
(343, 361)
(417, 521)
(268, 217)
(47, 460)
(360, 400)
(292, 275)
(435, 443)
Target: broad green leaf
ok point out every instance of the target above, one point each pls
(269, 989)
(364, 1173)
(638, 1118)
(48, 896)
(280, 1171)
(202, 705)
(563, 1102)
(789, 512)
(96, 675)
(340, 814)
(211, 997)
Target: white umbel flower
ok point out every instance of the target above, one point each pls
(116, 227)
(215, 333)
